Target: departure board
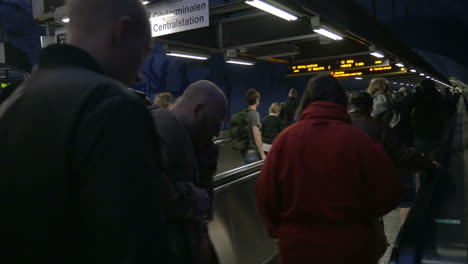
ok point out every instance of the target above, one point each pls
(358, 62)
(384, 70)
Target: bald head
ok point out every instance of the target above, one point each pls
(115, 32)
(202, 109)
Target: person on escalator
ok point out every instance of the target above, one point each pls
(359, 109)
(246, 127)
(429, 118)
(80, 173)
(272, 125)
(288, 108)
(189, 161)
(326, 184)
(394, 109)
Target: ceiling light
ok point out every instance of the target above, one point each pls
(422, 74)
(377, 54)
(188, 56)
(428, 77)
(395, 83)
(358, 78)
(145, 2)
(401, 65)
(233, 61)
(402, 84)
(328, 34)
(271, 9)
(413, 70)
(65, 19)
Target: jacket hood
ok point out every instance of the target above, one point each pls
(325, 110)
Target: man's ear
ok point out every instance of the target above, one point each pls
(121, 30)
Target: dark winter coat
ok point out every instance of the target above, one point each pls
(80, 181)
(288, 111)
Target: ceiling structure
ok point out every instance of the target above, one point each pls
(239, 30)
(245, 31)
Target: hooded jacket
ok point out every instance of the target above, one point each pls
(321, 188)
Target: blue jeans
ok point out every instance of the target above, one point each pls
(251, 157)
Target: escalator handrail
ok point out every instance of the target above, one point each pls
(231, 175)
(411, 233)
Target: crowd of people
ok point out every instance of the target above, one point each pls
(93, 172)
(329, 178)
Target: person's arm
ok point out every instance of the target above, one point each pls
(402, 156)
(258, 141)
(120, 187)
(268, 192)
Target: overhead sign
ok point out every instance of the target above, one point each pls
(4, 85)
(384, 70)
(176, 16)
(358, 62)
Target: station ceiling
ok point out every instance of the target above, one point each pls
(237, 26)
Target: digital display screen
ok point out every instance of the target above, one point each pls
(4, 85)
(392, 69)
(358, 62)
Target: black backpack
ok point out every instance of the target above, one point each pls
(239, 131)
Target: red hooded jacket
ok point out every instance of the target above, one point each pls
(322, 188)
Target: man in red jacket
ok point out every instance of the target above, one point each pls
(325, 184)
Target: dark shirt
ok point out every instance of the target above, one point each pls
(271, 127)
(80, 181)
(288, 111)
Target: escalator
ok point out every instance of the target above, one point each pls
(236, 231)
(436, 230)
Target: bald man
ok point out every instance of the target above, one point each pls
(189, 161)
(80, 181)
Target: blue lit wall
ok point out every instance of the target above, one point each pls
(162, 73)
(19, 28)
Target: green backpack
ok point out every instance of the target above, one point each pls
(239, 131)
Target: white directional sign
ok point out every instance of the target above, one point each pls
(176, 16)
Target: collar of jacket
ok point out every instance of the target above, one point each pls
(61, 55)
(325, 110)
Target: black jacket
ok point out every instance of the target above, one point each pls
(429, 116)
(271, 127)
(402, 156)
(288, 111)
(79, 174)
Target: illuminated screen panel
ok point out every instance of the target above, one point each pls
(358, 62)
(4, 85)
(384, 70)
